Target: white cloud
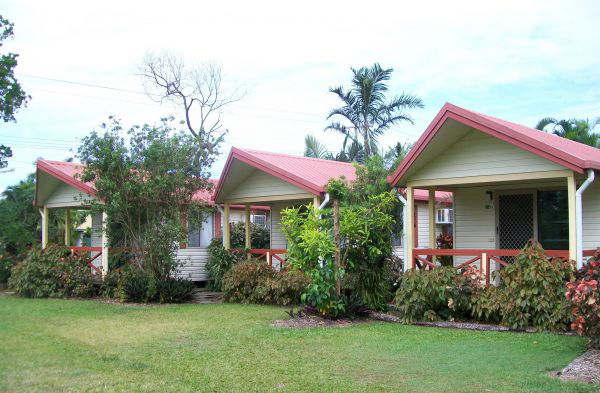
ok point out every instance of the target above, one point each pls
(289, 54)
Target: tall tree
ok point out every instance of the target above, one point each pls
(314, 148)
(198, 90)
(578, 130)
(366, 112)
(146, 181)
(12, 96)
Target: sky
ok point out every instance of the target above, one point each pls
(517, 60)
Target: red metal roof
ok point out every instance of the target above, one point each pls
(68, 172)
(440, 196)
(310, 174)
(565, 152)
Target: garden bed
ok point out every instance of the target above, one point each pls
(312, 321)
(585, 368)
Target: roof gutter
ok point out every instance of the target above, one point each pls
(579, 214)
(404, 245)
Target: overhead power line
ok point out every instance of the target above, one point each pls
(98, 86)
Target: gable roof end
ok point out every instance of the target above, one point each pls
(570, 154)
(309, 174)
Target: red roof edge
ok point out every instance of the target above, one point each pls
(265, 167)
(492, 128)
(45, 166)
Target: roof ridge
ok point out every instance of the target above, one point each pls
(296, 156)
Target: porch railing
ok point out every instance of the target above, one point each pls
(423, 257)
(268, 254)
(95, 253)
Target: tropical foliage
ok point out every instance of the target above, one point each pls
(255, 281)
(530, 293)
(53, 272)
(584, 294)
(146, 179)
(578, 130)
(366, 113)
(355, 266)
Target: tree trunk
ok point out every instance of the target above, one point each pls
(337, 241)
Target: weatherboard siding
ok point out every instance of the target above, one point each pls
(261, 184)
(478, 154)
(278, 239)
(474, 225)
(591, 216)
(65, 196)
(192, 263)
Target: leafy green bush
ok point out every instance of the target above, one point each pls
(534, 291)
(584, 294)
(439, 294)
(53, 272)
(254, 281)
(7, 262)
(260, 237)
(175, 290)
(109, 287)
(137, 286)
(219, 262)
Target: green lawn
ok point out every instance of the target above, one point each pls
(69, 345)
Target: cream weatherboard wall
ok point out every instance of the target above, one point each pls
(591, 216)
(261, 184)
(65, 196)
(478, 154)
(474, 224)
(277, 237)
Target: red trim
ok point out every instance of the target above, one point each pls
(264, 166)
(70, 180)
(479, 251)
(217, 224)
(491, 128)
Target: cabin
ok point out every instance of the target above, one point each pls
(510, 183)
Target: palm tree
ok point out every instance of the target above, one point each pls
(316, 149)
(578, 130)
(366, 109)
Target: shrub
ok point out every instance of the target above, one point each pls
(135, 285)
(219, 262)
(442, 293)
(584, 293)
(445, 242)
(534, 291)
(254, 281)
(174, 290)
(109, 286)
(260, 237)
(53, 272)
(7, 262)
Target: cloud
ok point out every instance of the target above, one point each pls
(515, 59)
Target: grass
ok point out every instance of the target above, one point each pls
(71, 346)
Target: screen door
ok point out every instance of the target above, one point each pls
(515, 219)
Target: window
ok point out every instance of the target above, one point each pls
(444, 216)
(260, 219)
(553, 220)
(200, 233)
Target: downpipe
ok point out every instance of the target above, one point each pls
(579, 214)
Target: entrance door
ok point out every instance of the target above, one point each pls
(516, 219)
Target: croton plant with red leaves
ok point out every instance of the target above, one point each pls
(584, 294)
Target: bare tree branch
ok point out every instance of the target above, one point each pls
(199, 90)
